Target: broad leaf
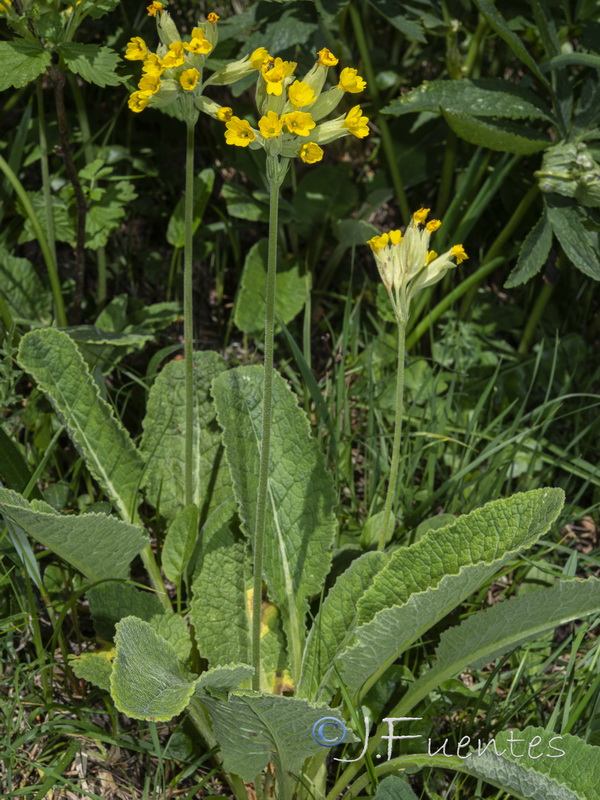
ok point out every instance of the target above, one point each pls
(221, 613)
(534, 253)
(506, 136)
(580, 244)
(180, 542)
(223, 679)
(94, 667)
(424, 582)
(54, 361)
(112, 600)
(173, 628)
(23, 290)
(97, 545)
(98, 8)
(21, 62)
(163, 442)
(394, 788)
(300, 523)
(148, 681)
(486, 97)
(92, 62)
(335, 625)
(488, 634)
(292, 289)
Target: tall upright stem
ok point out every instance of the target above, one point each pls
(275, 179)
(388, 516)
(45, 169)
(188, 315)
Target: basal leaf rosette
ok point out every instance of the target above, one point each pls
(291, 109)
(407, 265)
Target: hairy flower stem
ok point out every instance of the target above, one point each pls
(275, 179)
(188, 314)
(388, 517)
(45, 169)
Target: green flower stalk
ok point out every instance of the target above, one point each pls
(406, 266)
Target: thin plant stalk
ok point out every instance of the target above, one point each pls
(388, 515)
(533, 320)
(274, 179)
(188, 314)
(45, 169)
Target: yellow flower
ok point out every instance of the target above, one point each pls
(270, 125)
(395, 237)
(433, 225)
(310, 153)
(259, 57)
(153, 65)
(275, 74)
(458, 252)
(299, 122)
(198, 45)
(139, 100)
(421, 215)
(224, 114)
(431, 254)
(149, 83)
(356, 123)
(3, 9)
(189, 79)
(174, 56)
(239, 132)
(154, 7)
(350, 81)
(301, 94)
(326, 58)
(214, 18)
(136, 49)
(378, 242)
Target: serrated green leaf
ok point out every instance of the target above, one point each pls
(279, 729)
(93, 62)
(21, 62)
(506, 136)
(106, 212)
(97, 545)
(534, 253)
(299, 533)
(54, 361)
(203, 186)
(292, 289)
(486, 97)
(221, 613)
(111, 601)
(148, 681)
(422, 583)
(490, 633)
(23, 289)
(173, 628)
(163, 441)
(580, 244)
(540, 773)
(94, 667)
(334, 626)
(64, 223)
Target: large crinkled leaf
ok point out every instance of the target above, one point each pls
(163, 442)
(23, 289)
(173, 628)
(92, 62)
(485, 97)
(422, 583)
(97, 545)
(535, 769)
(21, 62)
(112, 600)
(300, 523)
(148, 680)
(292, 288)
(94, 667)
(223, 679)
(254, 728)
(579, 243)
(334, 626)
(488, 634)
(54, 361)
(534, 253)
(221, 613)
(506, 136)
(394, 788)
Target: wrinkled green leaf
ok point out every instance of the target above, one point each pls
(300, 523)
(111, 601)
(394, 788)
(94, 667)
(93, 62)
(97, 545)
(173, 628)
(21, 62)
(23, 290)
(506, 136)
(292, 289)
(54, 361)
(534, 253)
(580, 244)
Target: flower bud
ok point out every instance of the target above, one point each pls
(167, 30)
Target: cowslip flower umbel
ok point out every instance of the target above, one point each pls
(290, 108)
(407, 265)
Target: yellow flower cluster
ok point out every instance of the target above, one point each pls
(175, 70)
(292, 108)
(405, 263)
